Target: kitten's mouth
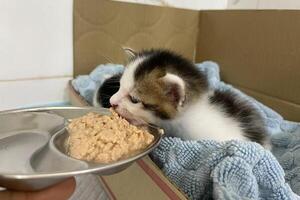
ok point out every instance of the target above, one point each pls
(128, 117)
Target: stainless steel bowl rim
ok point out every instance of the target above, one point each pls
(76, 172)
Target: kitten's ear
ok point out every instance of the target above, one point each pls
(174, 88)
(129, 52)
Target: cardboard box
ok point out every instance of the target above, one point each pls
(258, 52)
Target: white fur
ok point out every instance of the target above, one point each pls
(203, 120)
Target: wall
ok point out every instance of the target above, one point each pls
(35, 51)
(36, 44)
(263, 4)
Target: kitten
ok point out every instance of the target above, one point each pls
(165, 89)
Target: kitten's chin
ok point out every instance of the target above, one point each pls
(136, 122)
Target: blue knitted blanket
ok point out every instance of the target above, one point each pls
(229, 170)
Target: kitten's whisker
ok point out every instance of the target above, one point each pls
(107, 58)
(153, 126)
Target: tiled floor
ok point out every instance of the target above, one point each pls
(88, 187)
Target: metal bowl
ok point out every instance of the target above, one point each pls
(32, 149)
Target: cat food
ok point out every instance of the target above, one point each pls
(103, 139)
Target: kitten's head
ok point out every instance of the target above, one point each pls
(156, 85)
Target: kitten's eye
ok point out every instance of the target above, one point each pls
(150, 107)
(133, 99)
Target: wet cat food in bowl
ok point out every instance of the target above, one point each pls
(105, 138)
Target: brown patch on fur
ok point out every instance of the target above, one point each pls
(151, 91)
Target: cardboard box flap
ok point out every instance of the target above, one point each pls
(258, 51)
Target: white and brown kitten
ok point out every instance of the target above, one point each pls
(165, 89)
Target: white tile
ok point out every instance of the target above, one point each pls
(279, 4)
(18, 94)
(35, 38)
(242, 4)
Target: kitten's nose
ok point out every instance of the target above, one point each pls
(115, 100)
(113, 103)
